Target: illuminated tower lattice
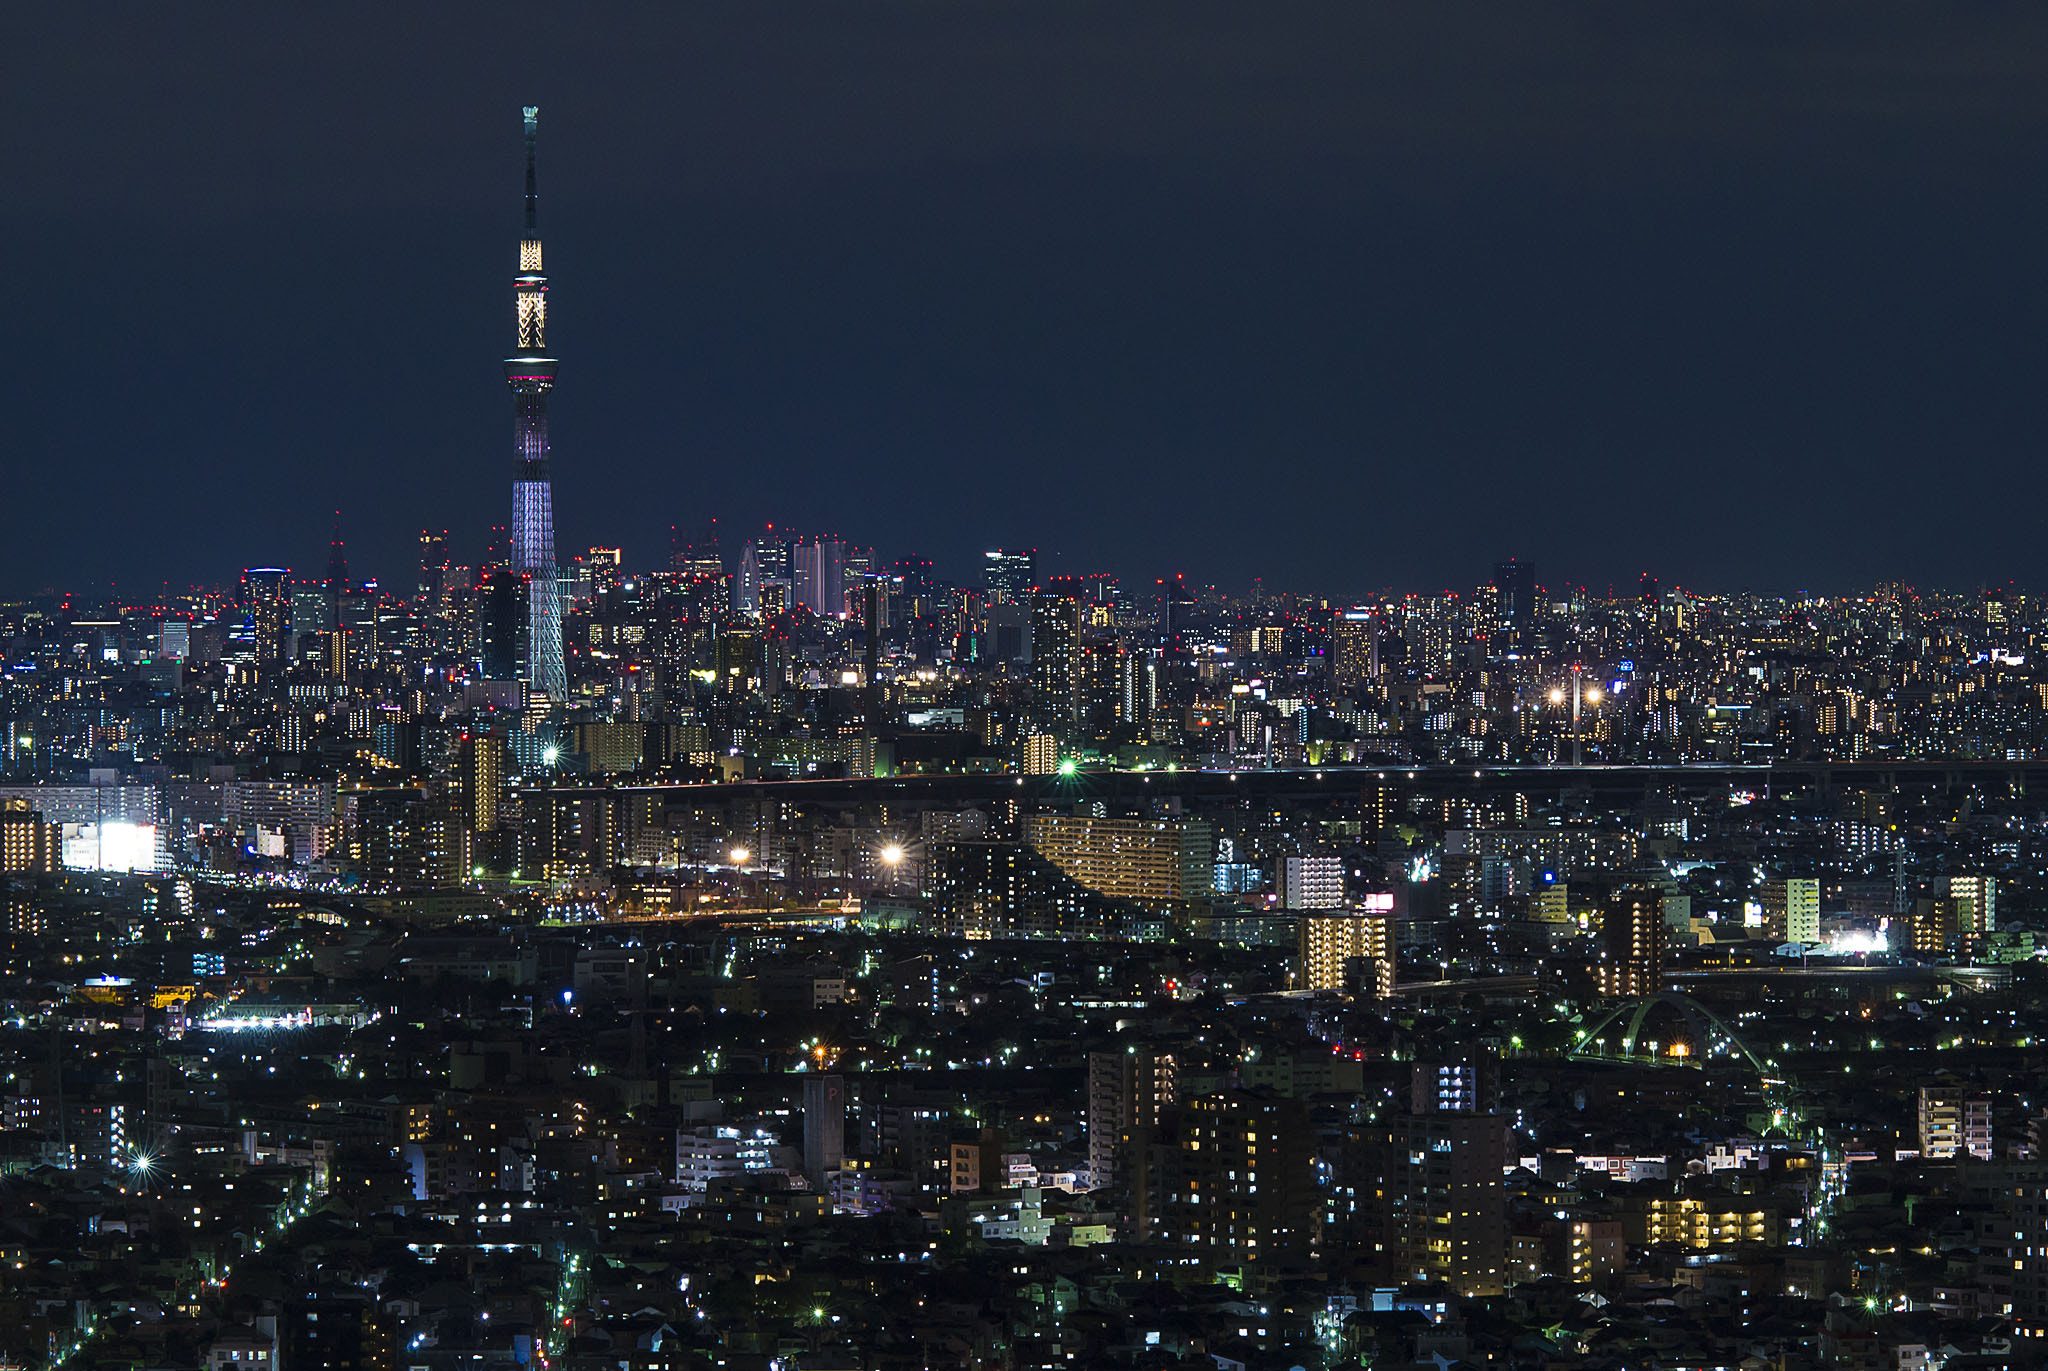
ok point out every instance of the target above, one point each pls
(530, 371)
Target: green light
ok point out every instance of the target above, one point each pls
(1068, 768)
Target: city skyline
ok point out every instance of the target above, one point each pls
(1671, 341)
(1214, 688)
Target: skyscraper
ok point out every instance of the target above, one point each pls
(530, 372)
(817, 571)
(266, 611)
(1355, 647)
(1011, 573)
(1514, 585)
(1055, 627)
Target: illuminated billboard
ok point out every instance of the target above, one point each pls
(110, 846)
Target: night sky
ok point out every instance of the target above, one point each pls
(1348, 296)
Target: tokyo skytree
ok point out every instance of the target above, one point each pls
(530, 372)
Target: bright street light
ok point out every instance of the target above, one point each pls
(739, 856)
(892, 854)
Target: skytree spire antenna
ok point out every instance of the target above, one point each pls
(530, 372)
(532, 113)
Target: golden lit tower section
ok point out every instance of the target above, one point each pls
(530, 372)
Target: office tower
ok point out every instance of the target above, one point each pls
(1951, 1122)
(1176, 613)
(310, 606)
(1010, 575)
(173, 640)
(337, 577)
(817, 571)
(772, 552)
(501, 602)
(433, 579)
(1342, 949)
(604, 566)
(1151, 861)
(1309, 882)
(746, 581)
(1514, 588)
(698, 558)
(917, 585)
(824, 1126)
(1631, 944)
(1055, 633)
(266, 611)
(1792, 910)
(1128, 1089)
(530, 372)
(1355, 648)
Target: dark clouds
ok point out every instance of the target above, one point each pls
(1348, 295)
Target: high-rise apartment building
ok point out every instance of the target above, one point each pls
(1792, 910)
(1423, 1187)
(1340, 949)
(30, 845)
(1228, 1181)
(1980, 918)
(1055, 661)
(1309, 882)
(824, 1126)
(1953, 1123)
(1151, 861)
(1128, 1088)
(1631, 960)
(2023, 1187)
(983, 889)
(1041, 754)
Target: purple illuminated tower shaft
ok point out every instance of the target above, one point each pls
(530, 371)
